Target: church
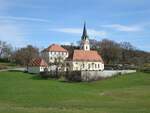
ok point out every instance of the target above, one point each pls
(84, 59)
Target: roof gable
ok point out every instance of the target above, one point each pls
(56, 48)
(38, 62)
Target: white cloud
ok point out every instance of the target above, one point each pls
(120, 27)
(91, 32)
(22, 18)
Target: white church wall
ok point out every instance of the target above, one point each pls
(83, 65)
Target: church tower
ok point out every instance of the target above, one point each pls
(85, 44)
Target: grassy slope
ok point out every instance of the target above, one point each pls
(7, 65)
(22, 93)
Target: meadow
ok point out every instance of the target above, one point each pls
(24, 93)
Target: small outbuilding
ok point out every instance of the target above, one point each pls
(37, 65)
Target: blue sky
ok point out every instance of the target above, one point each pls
(43, 22)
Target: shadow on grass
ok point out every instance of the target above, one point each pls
(16, 71)
(38, 77)
(62, 80)
(66, 81)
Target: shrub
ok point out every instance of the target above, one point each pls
(4, 60)
(146, 69)
(73, 76)
(50, 74)
(44, 75)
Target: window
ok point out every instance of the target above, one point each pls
(95, 65)
(83, 65)
(92, 65)
(67, 64)
(89, 66)
(98, 65)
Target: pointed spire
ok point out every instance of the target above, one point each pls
(84, 35)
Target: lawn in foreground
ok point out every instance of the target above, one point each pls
(23, 93)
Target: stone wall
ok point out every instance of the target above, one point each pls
(95, 75)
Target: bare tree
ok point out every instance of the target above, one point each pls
(128, 52)
(24, 55)
(110, 51)
(59, 65)
(5, 50)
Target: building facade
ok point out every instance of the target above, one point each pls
(54, 53)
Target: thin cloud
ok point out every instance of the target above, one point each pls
(91, 32)
(12, 34)
(65, 43)
(23, 19)
(120, 27)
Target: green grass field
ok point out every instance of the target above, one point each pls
(23, 93)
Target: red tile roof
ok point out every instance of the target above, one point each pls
(55, 48)
(81, 55)
(38, 62)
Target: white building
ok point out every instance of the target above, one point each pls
(54, 53)
(85, 59)
(37, 65)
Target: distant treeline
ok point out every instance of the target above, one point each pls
(117, 53)
(112, 53)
